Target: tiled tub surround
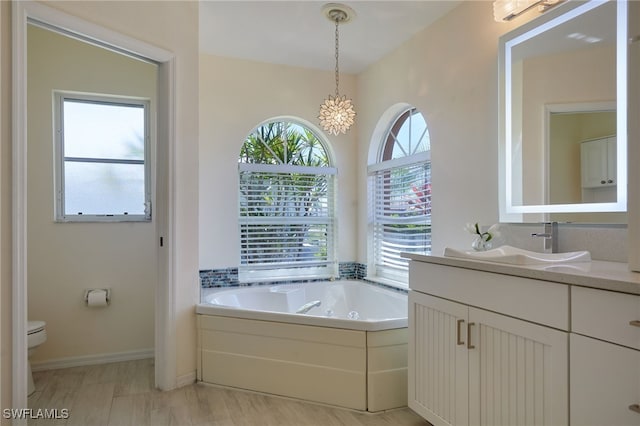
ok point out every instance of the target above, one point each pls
(224, 277)
(357, 364)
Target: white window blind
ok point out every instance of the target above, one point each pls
(286, 222)
(401, 207)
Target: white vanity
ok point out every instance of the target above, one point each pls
(498, 344)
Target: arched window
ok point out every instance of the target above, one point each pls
(400, 197)
(287, 208)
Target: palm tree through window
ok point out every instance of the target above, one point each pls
(286, 208)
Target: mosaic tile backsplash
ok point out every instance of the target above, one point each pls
(225, 277)
(228, 277)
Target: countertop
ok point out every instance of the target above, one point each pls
(613, 276)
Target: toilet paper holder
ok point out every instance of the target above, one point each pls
(90, 290)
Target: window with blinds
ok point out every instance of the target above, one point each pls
(286, 211)
(400, 198)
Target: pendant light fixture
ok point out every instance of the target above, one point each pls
(336, 112)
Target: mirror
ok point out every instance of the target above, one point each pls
(563, 116)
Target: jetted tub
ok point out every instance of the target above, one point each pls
(349, 350)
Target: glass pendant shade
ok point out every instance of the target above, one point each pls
(336, 114)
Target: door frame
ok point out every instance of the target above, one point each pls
(165, 334)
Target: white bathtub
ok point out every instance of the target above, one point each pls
(353, 305)
(351, 351)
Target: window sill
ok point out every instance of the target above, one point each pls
(103, 219)
(387, 282)
(285, 279)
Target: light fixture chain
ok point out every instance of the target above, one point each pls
(337, 49)
(337, 113)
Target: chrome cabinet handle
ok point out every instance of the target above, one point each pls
(469, 345)
(460, 322)
(635, 407)
(635, 323)
(610, 181)
(603, 182)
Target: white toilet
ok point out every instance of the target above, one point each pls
(36, 335)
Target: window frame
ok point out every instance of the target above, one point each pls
(322, 270)
(59, 98)
(385, 163)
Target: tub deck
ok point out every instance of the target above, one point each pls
(377, 308)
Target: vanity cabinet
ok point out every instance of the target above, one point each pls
(605, 358)
(598, 162)
(438, 360)
(486, 349)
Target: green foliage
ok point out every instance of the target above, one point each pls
(284, 197)
(283, 143)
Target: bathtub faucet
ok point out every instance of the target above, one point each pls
(307, 306)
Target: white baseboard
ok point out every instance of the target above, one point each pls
(78, 361)
(186, 379)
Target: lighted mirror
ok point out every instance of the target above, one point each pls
(563, 116)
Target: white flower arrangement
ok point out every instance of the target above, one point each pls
(483, 239)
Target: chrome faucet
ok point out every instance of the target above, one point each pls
(307, 306)
(550, 236)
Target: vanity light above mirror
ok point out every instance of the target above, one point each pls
(565, 67)
(506, 10)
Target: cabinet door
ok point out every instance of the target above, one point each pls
(438, 368)
(518, 372)
(594, 163)
(605, 382)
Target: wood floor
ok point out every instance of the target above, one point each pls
(122, 394)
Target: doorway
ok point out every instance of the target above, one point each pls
(26, 14)
(87, 227)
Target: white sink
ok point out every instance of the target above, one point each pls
(517, 256)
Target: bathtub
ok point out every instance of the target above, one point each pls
(348, 350)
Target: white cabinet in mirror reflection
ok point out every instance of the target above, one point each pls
(598, 170)
(598, 162)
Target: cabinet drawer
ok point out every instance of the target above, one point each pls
(537, 301)
(604, 383)
(606, 315)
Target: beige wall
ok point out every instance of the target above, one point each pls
(235, 97)
(66, 258)
(633, 130)
(449, 73)
(5, 207)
